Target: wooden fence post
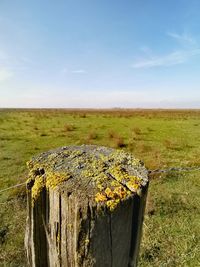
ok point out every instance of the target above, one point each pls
(85, 208)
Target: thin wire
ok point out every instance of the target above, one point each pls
(174, 169)
(11, 187)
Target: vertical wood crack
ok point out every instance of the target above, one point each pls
(110, 231)
(60, 226)
(89, 228)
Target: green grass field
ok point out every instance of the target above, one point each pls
(160, 138)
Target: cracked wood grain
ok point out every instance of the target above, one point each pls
(67, 228)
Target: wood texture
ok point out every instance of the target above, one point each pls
(67, 228)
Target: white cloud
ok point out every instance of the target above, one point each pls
(184, 39)
(75, 71)
(79, 71)
(188, 48)
(5, 75)
(171, 59)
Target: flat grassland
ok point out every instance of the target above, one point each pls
(160, 138)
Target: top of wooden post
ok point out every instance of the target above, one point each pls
(103, 175)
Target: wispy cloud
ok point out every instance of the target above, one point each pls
(171, 59)
(75, 71)
(5, 75)
(79, 71)
(188, 49)
(182, 38)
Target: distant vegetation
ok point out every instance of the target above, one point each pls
(161, 138)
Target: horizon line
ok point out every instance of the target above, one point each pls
(88, 108)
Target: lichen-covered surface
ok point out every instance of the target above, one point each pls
(88, 204)
(105, 175)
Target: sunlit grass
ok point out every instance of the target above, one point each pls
(160, 138)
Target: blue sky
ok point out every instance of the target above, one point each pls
(100, 53)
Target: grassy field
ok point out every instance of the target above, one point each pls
(161, 138)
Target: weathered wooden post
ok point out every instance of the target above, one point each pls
(85, 208)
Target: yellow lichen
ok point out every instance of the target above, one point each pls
(114, 183)
(56, 178)
(133, 186)
(100, 186)
(58, 238)
(107, 172)
(29, 164)
(122, 186)
(112, 204)
(112, 197)
(120, 192)
(37, 188)
(46, 180)
(109, 193)
(99, 197)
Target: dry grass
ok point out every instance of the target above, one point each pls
(137, 130)
(68, 127)
(111, 134)
(119, 142)
(150, 205)
(172, 144)
(92, 136)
